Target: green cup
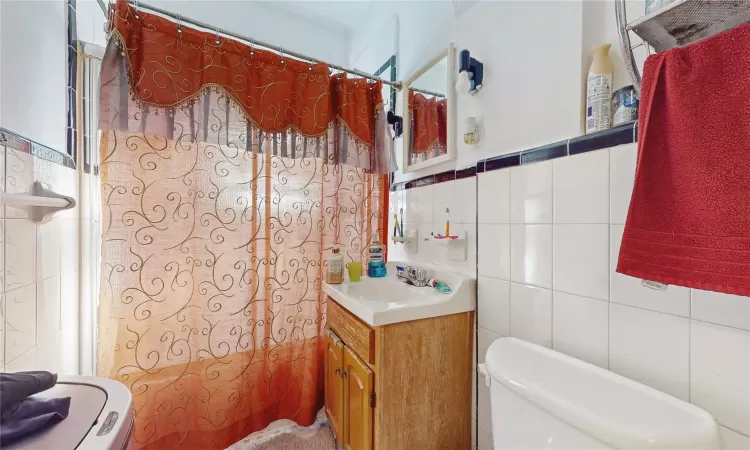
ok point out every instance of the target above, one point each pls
(355, 270)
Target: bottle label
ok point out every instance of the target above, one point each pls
(335, 266)
(598, 102)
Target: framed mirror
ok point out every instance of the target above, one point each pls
(429, 101)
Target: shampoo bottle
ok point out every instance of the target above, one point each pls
(599, 90)
(375, 265)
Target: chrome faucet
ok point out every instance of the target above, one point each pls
(413, 275)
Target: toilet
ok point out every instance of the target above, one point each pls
(542, 399)
(100, 417)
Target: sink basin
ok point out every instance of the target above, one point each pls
(387, 300)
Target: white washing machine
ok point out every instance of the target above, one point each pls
(100, 417)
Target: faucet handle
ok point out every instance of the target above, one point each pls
(421, 275)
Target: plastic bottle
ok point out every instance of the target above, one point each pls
(335, 273)
(599, 90)
(375, 265)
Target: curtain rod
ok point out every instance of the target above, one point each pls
(186, 20)
(423, 91)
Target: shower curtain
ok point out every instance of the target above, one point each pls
(429, 122)
(227, 172)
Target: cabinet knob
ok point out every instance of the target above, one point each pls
(337, 371)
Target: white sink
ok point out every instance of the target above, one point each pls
(382, 301)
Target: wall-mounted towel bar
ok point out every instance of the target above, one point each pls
(41, 202)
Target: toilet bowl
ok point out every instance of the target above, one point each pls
(542, 399)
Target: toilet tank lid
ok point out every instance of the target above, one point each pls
(616, 410)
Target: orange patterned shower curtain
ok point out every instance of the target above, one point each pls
(227, 172)
(429, 126)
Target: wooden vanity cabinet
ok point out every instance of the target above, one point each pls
(334, 383)
(402, 386)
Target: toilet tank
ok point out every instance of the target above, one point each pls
(542, 399)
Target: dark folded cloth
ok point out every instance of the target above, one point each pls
(30, 416)
(16, 386)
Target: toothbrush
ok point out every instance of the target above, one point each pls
(447, 222)
(395, 224)
(401, 223)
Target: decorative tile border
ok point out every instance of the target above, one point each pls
(20, 144)
(441, 177)
(623, 134)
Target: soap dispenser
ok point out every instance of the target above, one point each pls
(375, 265)
(335, 273)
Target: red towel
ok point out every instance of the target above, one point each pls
(689, 217)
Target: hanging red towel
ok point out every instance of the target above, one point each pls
(689, 217)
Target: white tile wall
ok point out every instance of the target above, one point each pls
(493, 299)
(485, 337)
(531, 254)
(580, 328)
(720, 370)
(425, 213)
(39, 285)
(581, 260)
(494, 205)
(531, 193)
(465, 206)
(580, 188)
(722, 309)
(546, 246)
(494, 259)
(689, 343)
(621, 180)
(651, 348)
(531, 314)
(444, 200)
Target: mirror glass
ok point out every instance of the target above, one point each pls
(429, 100)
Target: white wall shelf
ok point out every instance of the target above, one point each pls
(455, 249)
(410, 242)
(41, 203)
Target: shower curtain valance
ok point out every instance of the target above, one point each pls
(168, 66)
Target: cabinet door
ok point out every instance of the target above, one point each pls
(334, 384)
(358, 395)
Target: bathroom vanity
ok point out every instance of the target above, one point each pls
(398, 364)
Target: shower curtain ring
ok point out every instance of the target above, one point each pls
(311, 65)
(217, 36)
(252, 47)
(179, 23)
(282, 55)
(135, 6)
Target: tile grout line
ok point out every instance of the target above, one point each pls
(552, 254)
(690, 346)
(476, 317)
(609, 255)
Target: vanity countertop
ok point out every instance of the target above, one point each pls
(387, 300)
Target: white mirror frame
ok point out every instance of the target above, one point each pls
(450, 94)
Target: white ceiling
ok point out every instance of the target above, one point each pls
(342, 15)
